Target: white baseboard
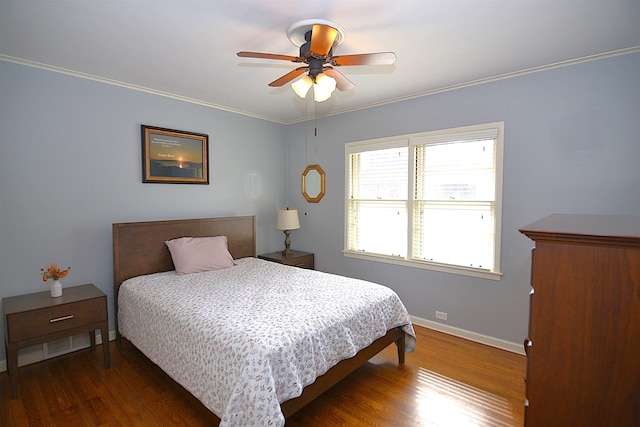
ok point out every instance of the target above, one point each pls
(472, 336)
(37, 353)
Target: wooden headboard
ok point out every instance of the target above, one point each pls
(139, 248)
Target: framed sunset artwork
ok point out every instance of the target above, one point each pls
(174, 156)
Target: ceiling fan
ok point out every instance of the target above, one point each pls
(317, 38)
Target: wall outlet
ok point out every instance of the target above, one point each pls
(441, 315)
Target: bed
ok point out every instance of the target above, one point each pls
(235, 337)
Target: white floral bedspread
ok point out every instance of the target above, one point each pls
(244, 339)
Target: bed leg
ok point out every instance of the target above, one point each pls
(400, 344)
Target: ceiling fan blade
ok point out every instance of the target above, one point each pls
(381, 58)
(288, 77)
(261, 55)
(342, 83)
(322, 38)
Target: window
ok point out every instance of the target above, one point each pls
(431, 200)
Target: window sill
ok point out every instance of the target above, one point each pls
(445, 268)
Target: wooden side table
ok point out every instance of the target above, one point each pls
(297, 259)
(38, 318)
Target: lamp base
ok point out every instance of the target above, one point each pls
(287, 243)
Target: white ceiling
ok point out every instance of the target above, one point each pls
(187, 48)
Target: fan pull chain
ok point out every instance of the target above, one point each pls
(306, 143)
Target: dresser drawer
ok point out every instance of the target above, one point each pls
(49, 320)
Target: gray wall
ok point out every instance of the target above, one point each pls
(70, 166)
(571, 146)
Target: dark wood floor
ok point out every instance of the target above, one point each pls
(447, 381)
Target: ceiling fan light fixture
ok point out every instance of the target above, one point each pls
(323, 87)
(316, 39)
(302, 86)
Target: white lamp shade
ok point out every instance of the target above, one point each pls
(302, 86)
(288, 219)
(323, 88)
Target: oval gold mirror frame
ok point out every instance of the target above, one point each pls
(313, 186)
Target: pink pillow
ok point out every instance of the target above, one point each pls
(195, 254)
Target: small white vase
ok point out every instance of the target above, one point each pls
(56, 289)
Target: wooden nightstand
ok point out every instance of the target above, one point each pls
(297, 258)
(38, 318)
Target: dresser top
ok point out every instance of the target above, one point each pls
(621, 229)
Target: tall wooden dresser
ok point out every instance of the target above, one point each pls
(583, 366)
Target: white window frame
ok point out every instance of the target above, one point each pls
(410, 140)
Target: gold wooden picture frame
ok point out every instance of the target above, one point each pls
(174, 156)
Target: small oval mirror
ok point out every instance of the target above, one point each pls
(313, 186)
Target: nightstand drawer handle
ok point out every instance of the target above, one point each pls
(59, 319)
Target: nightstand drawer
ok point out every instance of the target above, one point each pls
(301, 261)
(44, 321)
(295, 258)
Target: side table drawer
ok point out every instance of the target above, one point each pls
(305, 261)
(36, 323)
(295, 258)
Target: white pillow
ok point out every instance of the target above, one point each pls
(196, 254)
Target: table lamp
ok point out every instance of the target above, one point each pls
(287, 221)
